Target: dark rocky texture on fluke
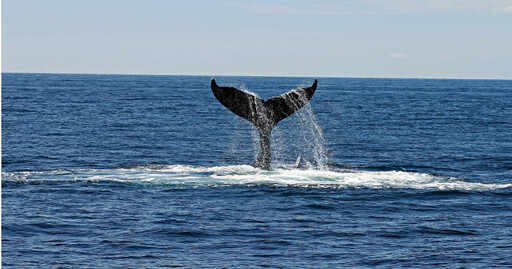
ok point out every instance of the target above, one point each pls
(263, 114)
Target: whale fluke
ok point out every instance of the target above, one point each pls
(263, 114)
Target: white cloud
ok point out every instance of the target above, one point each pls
(296, 9)
(445, 58)
(507, 9)
(377, 7)
(398, 55)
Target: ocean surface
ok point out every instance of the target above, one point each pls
(134, 171)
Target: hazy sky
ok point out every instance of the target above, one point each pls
(347, 38)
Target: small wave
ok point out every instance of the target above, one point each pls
(248, 175)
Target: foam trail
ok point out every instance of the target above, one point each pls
(248, 175)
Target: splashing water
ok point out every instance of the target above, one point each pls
(301, 135)
(307, 136)
(312, 135)
(196, 176)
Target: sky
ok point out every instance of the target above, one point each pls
(346, 38)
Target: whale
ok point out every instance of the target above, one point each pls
(263, 114)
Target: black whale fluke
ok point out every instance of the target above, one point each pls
(263, 114)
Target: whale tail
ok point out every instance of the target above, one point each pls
(263, 114)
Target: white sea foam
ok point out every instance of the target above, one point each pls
(248, 175)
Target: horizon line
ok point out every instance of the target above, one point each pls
(272, 76)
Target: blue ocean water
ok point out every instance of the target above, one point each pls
(133, 171)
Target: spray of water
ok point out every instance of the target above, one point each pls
(241, 139)
(299, 135)
(312, 137)
(280, 146)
